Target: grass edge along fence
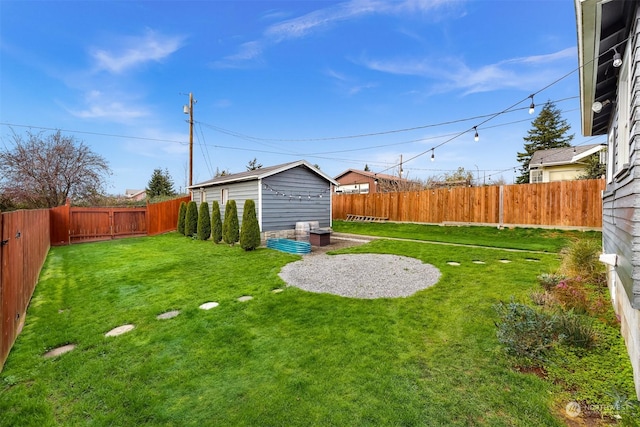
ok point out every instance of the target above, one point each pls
(26, 237)
(559, 204)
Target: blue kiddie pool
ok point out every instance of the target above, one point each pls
(290, 246)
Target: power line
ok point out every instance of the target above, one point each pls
(92, 133)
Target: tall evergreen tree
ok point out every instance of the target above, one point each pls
(191, 220)
(160, 184)
(204, 222)
(216, 222)
(549, 130)
(250, 232)
(230, 226)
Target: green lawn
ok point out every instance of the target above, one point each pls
(533, 239)
(281, 359)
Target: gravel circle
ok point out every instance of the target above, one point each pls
(361, 275)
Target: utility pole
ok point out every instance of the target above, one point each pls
(188, 109)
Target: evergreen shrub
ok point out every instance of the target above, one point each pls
(250, 232)
(216, 222)
(182, 213)
(204, 222)
(191, 220)
(230, 226)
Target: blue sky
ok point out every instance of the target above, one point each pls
(340, 84)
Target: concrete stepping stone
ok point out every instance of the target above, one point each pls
(60, 350)
(478, 262)
(505, 261)
(277, 290)
(532, 260)
(454, 263)
(245, 298)
(208, 305)
(119, 330)
(168, 315)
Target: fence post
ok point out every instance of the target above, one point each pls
(501, 207)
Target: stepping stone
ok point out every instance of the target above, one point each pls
(168, 315)
(532, 260)
(277, 291)
(209, 305)
(478, 262)
(505, 261)
(60, 350)
(119, 330)
(453, 263)
(245, 298)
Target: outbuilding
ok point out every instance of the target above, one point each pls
(285, 195)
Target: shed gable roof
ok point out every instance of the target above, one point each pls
(261, 173)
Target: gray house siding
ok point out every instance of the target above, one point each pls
(604, 25)
(295, 195)
(621, 199)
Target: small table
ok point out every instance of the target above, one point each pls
(319, 237)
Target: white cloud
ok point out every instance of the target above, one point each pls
(452, 74)
(114, 107)
(134, 51)
(321, 19)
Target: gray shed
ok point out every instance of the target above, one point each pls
(284, 194)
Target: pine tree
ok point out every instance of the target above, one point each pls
(191, 220)
(549, 131)
(204, 222)
(216, 222)
(182, 214)
(250, 233)
(230, 227)
(160, 184)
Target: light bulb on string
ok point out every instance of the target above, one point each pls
(476, 137)
(532, 107)
(433, 155)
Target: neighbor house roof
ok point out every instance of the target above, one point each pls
(133, 193)
(370, 175)
(261, 173)
(563, 156)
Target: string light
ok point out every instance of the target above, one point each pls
(532, 107)
(476, 137)
(433, 154)
(293, 195)
(617, 59)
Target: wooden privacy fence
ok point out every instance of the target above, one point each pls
(77, 224)
(557, 204)
(25, 242)
(27, 235)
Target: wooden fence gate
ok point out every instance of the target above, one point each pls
(91, 224)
